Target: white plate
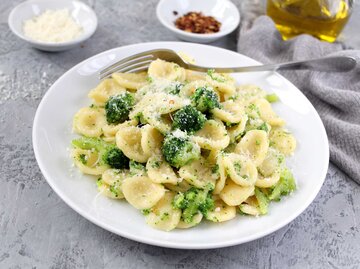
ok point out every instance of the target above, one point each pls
(222, 10)
(81, 13)
(52, 136)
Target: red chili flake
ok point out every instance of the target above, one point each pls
(196, 22)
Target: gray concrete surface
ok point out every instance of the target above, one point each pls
(38, 230)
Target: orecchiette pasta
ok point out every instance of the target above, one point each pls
(170, 71)
(240, 169)
(110, 183)
(151, 140)
(104, 90)
(212, 136)
(255, 144)
(196, 220)
(220, 183)
(267, 114)
(160, 171)
(130, 80)
(230, 112)
(283, 141)
(189, 89)
(183, 146)
(182, 186)
(246, 94)
(89, 122)
(237, 130)
(273, 162)
(221, 212)
(233, 194)
(249, 209)
(141, 192)
(269, 181)
(88, 161)
(163, 215)
(128, 139)
(221, 82)
(198, 173)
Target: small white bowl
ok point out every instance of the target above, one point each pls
(81, 13)
(222, 10)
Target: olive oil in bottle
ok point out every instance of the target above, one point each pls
(323, 19)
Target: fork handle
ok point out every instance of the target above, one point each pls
(328, 64)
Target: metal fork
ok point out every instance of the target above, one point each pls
(141, 61)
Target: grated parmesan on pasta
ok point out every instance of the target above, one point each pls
(174, 169)
(52, 26)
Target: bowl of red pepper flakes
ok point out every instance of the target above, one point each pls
(198, 21)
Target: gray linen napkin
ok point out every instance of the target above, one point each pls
(336, 96)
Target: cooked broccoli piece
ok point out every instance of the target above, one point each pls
(136, 168)
(215, 76)
(82, 158)
(117, 108)
(146, 212)
(109, 153)
(205, 99)
(193, 201)
(178, 150)
(141, 119)
(188, 119)
(272, 98)
(99, 182)
(263, 127)
(116, 158)
(284, 186)
(263, 201)
(174, 88)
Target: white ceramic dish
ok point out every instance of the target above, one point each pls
(81, 13)
(222, 10)
(52, 136)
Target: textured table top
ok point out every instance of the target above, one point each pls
(38, 230)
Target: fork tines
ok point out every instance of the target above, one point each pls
(134, 63)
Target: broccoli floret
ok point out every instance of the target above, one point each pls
(178, 150)
(188, 119)
(174, 88)
(284, 186)
(205, 99)
(117, 108)
(193, 201)
(109, 153)
(116, 158)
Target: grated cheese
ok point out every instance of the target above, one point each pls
(52, 26)
(179, 134)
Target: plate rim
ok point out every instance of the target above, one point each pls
(158, 242)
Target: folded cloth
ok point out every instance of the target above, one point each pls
(336, 96)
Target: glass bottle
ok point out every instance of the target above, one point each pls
(323, 19)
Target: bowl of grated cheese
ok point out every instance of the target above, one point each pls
(53, 25)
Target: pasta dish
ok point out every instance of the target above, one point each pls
(183, 146)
